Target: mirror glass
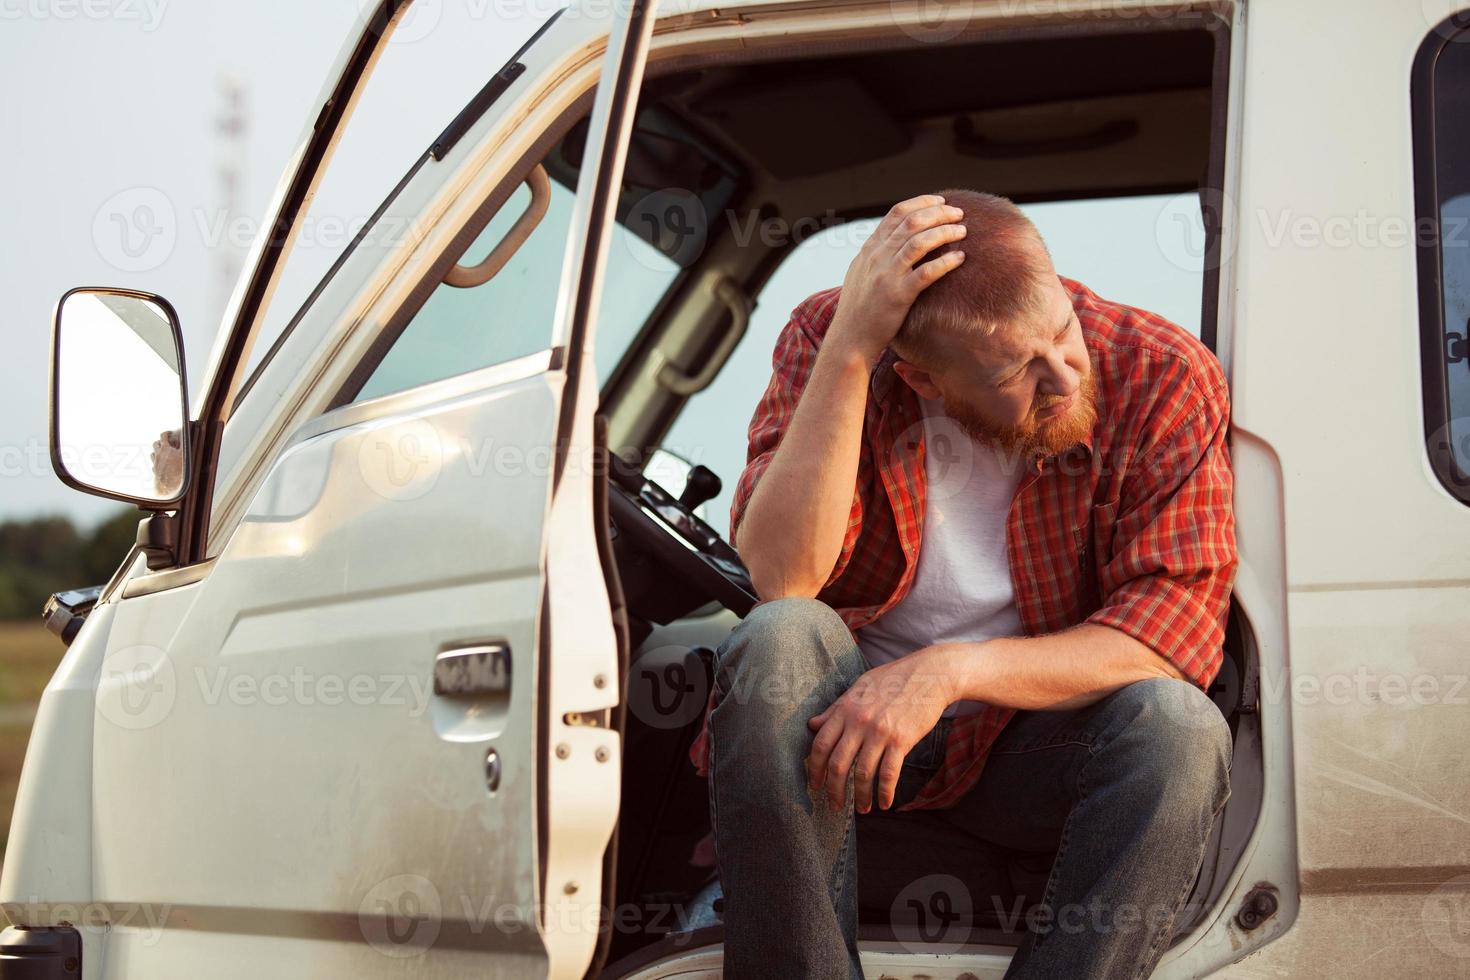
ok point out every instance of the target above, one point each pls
(118, 396)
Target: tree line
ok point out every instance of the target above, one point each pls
(43, 555)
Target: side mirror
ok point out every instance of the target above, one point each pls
(119, 416)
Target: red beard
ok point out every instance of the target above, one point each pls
(1034, 437)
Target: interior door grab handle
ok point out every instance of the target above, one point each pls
(473, 672)
(673, 379)
(465, 276)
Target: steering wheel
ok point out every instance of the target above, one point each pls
(660, 525)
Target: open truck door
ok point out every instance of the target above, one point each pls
(375, 719)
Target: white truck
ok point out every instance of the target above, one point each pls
(401, 676)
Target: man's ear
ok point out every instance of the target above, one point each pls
(918, 379)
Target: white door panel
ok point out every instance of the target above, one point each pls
(279, 773)
(298, 677)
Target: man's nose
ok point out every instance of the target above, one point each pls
(1061, 384)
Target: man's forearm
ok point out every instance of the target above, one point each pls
(1054, 672)
(792, 530)
(790, 535)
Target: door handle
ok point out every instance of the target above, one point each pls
(473, 672)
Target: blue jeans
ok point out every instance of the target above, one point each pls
(1124, 790)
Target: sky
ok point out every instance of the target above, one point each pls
(112, 170)
(119, 140)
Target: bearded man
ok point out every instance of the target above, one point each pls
(989, 518)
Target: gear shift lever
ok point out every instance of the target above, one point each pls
(701, 485)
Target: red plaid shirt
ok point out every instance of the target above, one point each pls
(1133, 529)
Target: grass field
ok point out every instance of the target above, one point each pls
(28, 657)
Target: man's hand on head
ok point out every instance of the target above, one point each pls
(871, 728)
(882, 282)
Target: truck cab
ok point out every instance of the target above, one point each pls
(402, 675)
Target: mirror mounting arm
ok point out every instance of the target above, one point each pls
(158, 539)
(200, 488)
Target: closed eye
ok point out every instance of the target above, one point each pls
(1056, 340)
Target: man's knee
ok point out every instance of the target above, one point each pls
(786, 637)
(786, 654)
(1182, 743)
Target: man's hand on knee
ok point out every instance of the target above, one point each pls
(869, 730)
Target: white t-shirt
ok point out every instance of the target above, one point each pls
(962, 587)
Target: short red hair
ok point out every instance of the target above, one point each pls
(1005, 260)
